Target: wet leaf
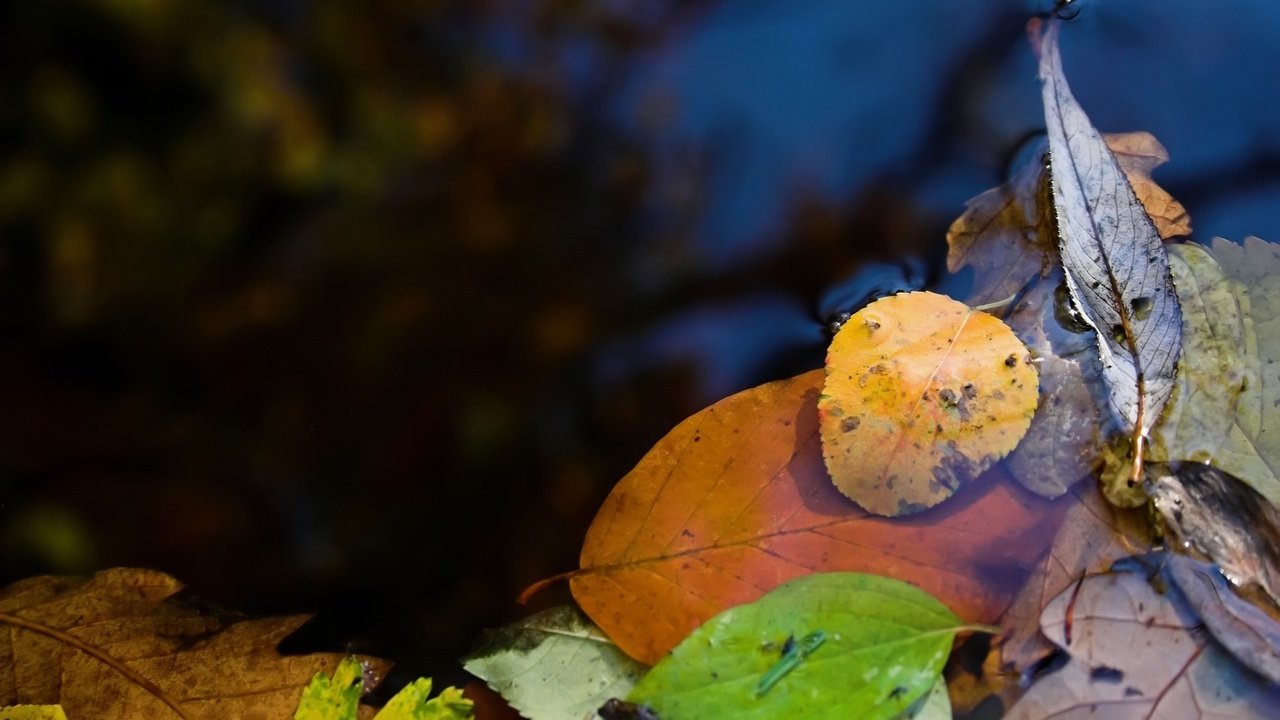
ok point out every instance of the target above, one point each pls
(1252, 449)
(922, 394)
(554, 665)
(1222, 518)
(1093, 534)
(934, 706)
(859, 645)
(414, 702)
(1250, 635)
(1060, 447)
(735, 501)
(119, 645)
(1008, 235)
(1112, 255)
(1135, 653)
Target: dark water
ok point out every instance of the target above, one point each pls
(361, 308)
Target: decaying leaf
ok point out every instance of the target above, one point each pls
(1112, 255)
(1252, 449)
(1135, 653)
(1227, 521)
(922, 394)
(1093, 534)
(735, 501)
(32, 712)
(1250, 635)
(118, 646)
(1008, 235)
(337, 697)
(832, 645)
(554, 665)
(1061, 445)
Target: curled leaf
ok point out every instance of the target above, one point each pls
(922, 394)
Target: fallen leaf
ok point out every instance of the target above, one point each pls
(337, 697)
(1093, 534)
(1008, 234)
(118, 645)
(1213, 513)
(1250, 635)
(830, 645)
(922, 395)
(1061, 445)
(32, 712)
(1135, 653)
(1112, 255)
(554, 665)
(735, 501)
(1252, 449)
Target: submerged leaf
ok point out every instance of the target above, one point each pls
(1115, 264)
(1093, 534)
(554, 665)
(922, 394)
(860, 645)
(1135, 653)
(735, 501)
(1227, 521)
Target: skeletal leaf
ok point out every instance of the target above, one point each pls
(1115, 263)
(922, 394)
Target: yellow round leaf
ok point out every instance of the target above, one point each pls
(922, 394)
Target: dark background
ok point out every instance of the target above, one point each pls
(361, 306)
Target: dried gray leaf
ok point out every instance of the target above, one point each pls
(554, 665)
(1115, 264)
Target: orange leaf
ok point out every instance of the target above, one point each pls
(735, 501)
(922, 395)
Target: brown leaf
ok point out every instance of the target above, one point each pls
(735, 501)
(118, 645)
(922, 395)
(1093, 534)
(1007, 234)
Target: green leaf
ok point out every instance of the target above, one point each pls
(333, 698)
(338, 698)
(1252, 450)
(554, 665)
(411, 703)
(883, 645)
(32, 712)
(934, 706)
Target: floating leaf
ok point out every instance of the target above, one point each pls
(414, 702)
(922, 394)
(118, 646)
(1093, 534)
(1252, 449)
(860, 645)
(1114, 261)
(735, 501)
(1135, 653)
(1008, 235)
(554, 665)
